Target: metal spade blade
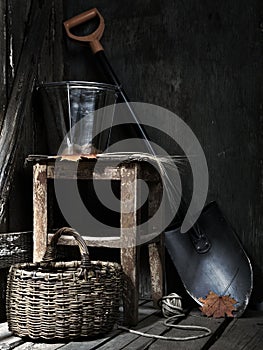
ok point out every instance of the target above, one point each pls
(224, 269)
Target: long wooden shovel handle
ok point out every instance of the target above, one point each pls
(93, 38)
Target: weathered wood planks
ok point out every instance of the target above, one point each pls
(7, 339)
(2, 61)
(30, 43)
(194, 318)
(17, 16)
(39, 211)
(10, 137)
(243, 333)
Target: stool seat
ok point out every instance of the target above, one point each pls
(128, 173)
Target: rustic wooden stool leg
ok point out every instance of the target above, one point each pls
(129, 250)
(156, 260)
(40, 211)
(156, 249)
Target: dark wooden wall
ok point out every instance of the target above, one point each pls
(28, 31)
(30, 52)
(200, 59)
(203, 61)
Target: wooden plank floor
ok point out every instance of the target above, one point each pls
(240, 334)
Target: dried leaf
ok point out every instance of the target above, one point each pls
(218, 306)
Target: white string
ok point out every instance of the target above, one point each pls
(162, 162)
(172, 308)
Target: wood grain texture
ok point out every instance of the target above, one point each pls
(40, 211)
(130, 252)
(17, 20)
(11, 140)
(51, 64)
(83, 170)
(12, 125)
(129, 219)
(33, 135)
(3, 85)
(202, 61)
(194, 318)
(125, 340)
(115, 339)
(156, 261)
(18, 56)
(2, 60)
(242, 333)
(39, 346)
(7, 339)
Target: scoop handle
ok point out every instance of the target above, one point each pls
(92, 38)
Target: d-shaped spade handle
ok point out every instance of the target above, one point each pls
(93, 38)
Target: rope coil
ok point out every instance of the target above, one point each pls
(171, 306)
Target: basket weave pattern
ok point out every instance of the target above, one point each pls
(63, 299)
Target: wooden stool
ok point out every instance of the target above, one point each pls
(127, 173)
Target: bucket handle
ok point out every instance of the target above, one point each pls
(93, 38)
(51, 251)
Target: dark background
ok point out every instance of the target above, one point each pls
(201, 60)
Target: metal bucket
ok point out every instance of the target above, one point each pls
(72, 124)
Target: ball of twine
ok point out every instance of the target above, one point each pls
(171, 305)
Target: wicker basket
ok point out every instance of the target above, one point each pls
(63, 299)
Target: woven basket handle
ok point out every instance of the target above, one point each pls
(51, 251)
